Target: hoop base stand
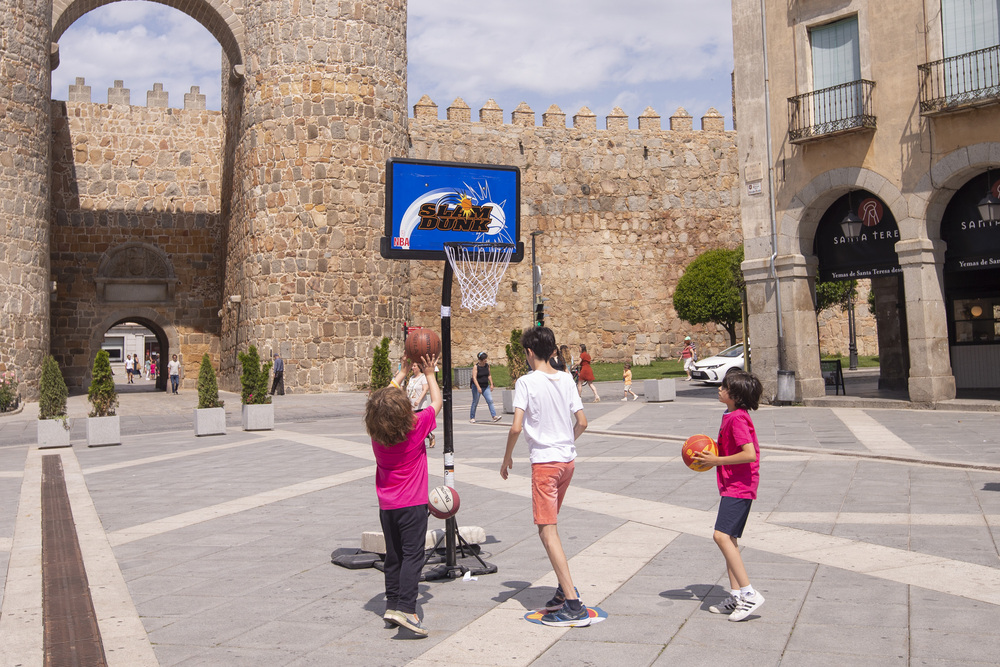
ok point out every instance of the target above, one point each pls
(458, 562)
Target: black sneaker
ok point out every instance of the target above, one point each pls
(567, 618)
(558, 600)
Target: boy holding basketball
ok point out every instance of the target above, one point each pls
(738, 472)
(548, 409)
(398, 435)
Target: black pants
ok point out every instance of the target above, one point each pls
(279, 383)
(405, 531)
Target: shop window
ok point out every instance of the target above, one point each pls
(977, 321)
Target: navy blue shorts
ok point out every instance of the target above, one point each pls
(733, 514)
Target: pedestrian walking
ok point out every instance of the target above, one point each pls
(482, 384)
(627, 378)
(279, 376)
(586, 376)
(174, 371)
(689, 355)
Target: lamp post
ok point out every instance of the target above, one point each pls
(536, 279)
(989, 206)
(851, 227)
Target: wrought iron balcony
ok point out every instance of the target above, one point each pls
(821, 113)
(963, 81)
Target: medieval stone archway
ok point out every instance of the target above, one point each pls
(215, 15)
(166, 335)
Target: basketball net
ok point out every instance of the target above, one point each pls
(479, 268)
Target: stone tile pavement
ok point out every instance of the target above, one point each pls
(874, 539)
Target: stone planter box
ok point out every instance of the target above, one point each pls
(258, 417)
(103, 431)
(209, 421)
(507, 396)
(52, 433)
(658, 391)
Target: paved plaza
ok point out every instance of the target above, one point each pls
(874, 539)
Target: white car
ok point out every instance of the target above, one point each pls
(713, 369)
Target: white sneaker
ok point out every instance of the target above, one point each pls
(747, 606)
(727, 606)
(624, 399)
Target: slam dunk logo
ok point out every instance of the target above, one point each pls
(468, 209)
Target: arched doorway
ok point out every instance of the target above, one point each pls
(971, 228)
(120, 335)
(856, 239)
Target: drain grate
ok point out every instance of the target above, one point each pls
(71, 635)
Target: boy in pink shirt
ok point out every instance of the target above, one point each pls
(737, 472)
(398, 436)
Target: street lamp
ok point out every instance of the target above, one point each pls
(989, 206)
(537, 307)
(851, 226)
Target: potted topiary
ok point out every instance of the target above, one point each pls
(53, 426)
(517, 366)
(103, 426)
(209, 416)
(258, 413)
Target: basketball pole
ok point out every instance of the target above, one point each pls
(452, 569)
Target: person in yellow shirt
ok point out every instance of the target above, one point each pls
(627, 376)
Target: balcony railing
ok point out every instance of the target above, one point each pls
(835, 110)
(970, 79)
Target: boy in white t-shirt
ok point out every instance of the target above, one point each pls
(548, 409)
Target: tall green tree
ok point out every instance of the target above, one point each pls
(831, 293)
(253, 380)
(709, 290)
(517, 364)
(208, 385)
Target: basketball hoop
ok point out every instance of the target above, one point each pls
(479, 268)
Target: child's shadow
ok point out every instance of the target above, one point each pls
(694, 592)
(518, 587)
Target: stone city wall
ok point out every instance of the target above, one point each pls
(622, 212)
(136, 231)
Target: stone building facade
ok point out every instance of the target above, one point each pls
(897, 127)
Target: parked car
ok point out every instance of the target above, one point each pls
(713, 369)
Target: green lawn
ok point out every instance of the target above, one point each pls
(606, 372)
(863, 362)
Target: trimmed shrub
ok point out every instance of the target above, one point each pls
(517, 364)
(52, 391)
(253, 381)
(208, 386)
(381, 370)
(102, 394)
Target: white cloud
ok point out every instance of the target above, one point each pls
(633, 53)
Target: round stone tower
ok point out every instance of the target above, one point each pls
(323, 105)
(24, 188)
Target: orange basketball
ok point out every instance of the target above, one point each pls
(697, 443)
(422, 342)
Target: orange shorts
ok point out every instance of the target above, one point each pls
(549, 482)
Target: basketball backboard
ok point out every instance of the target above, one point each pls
(431, 203)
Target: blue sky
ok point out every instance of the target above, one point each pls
(572, 53)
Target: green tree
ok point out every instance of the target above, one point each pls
(52, 391)
(831, 293)
(102, 394)
(253, 380)
(381, 370)
(709, 290)
(208, 386)
(517, 364)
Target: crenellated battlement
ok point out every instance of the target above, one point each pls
(554, 117)
(119, 94)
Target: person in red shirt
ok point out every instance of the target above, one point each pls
(398, 435)
(738, 473)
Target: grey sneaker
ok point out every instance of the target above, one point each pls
(411, 622)
(567, 618)
(727, 606)
(558, 600)
(391, 617)
(747, 606)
